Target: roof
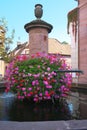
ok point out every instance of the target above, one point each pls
(54, 46)
(20, 48)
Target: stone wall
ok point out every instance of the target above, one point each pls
(74, 51)
(74, 48)
(82, 40)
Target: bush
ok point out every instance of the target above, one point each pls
(36, 77)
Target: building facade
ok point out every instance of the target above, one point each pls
(2, 39)
(54, 47)
(77, 26)
(82, 39)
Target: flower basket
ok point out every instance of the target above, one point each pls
(36, 77)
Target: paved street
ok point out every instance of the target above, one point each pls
(48, 125)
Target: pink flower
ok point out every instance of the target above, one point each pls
(53, 73)
(46, 92)
(49, 86)
(29, 74)
(36, 75)
(36, 99)
(30, 89)
(23, 89)
(38, 66)
(49, 74)
(33, 83)
(25, 93)
(48, 97)
(64, 89)
(45, 82)
(48, 69)
(38, 88)
(28, 95)
(20, 97)
(36, 96)
(46, 73)
(17, 68)
(22, 57)
(37, 82)
(18, 86)
(40, 94)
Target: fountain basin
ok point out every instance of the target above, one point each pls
(74, 107)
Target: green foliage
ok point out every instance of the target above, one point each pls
(7, 40)
(64, 42)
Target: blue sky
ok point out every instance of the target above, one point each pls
(20, 12)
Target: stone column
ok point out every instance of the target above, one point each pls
(38, 32)
(38, 40)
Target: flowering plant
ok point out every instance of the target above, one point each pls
(36, 77)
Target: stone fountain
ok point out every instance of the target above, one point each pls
(38, 32)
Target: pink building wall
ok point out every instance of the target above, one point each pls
(82, 39)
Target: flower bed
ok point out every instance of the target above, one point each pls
(36, 77)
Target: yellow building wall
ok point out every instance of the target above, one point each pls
(2, 68)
